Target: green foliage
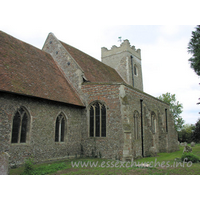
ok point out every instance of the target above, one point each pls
(189, 157)
(194, 49)
(46, 169)
(28, 166)
(196, 134)
(50, 168)
(176, 109)
(186, 133)
(172, 169)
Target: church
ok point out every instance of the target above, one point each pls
(59, 103)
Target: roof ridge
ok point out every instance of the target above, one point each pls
(86, 54)
(94, 70)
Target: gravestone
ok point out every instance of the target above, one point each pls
(187, 149)
(182, 144)
(185, 144)
(192, 144)
(4, 163)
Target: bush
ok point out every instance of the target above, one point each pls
(190, 157)
(28, 166)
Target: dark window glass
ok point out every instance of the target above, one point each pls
(97, 120)
(57, 130)
(15, 128)
(103, 121)
(62, 129)
(24, 128)
(135, 70)
(91, 121)
(166, 120)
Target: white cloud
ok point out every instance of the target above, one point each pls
(169, 29)
(166, 69)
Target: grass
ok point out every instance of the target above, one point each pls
(111, 167)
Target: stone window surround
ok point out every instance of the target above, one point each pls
(65, 128)
(166, 120)
(27, 128)
(136, 117)
(88, 115)
(153, 122)
(135, 70)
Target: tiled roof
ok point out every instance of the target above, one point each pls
(27, 70)
(94, 70)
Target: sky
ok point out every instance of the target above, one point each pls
(89, 26)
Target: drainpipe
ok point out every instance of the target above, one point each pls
(141, 106)
(132, 69)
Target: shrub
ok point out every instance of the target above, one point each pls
(28, 166)
(190, 157)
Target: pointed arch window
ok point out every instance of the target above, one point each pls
(136, 125)
(60, 128)
(153, 122)
(97, 120)
(20, 126)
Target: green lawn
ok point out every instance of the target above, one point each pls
(163, 164)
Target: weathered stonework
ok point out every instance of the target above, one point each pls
(120, 127)
(4, 163)
(40, 143)
(137, 124)
(111, 145)
(124, 59)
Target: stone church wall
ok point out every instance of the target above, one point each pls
(163, 139)
(40, 143)
(121, 102)
(110, 146)
(72, 72)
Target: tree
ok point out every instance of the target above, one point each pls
(186, 133)
(196, 133)
(194, 49)
(176, 109)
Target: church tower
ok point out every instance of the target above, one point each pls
(126, 60)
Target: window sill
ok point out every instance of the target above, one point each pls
(98, 138)
(57, 143)
(20, 144)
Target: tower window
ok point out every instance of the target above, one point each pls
(97, 120)
(135, 70)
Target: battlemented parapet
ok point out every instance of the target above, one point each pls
(125, 46)
(126, 60)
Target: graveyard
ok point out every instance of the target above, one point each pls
(161, 164)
